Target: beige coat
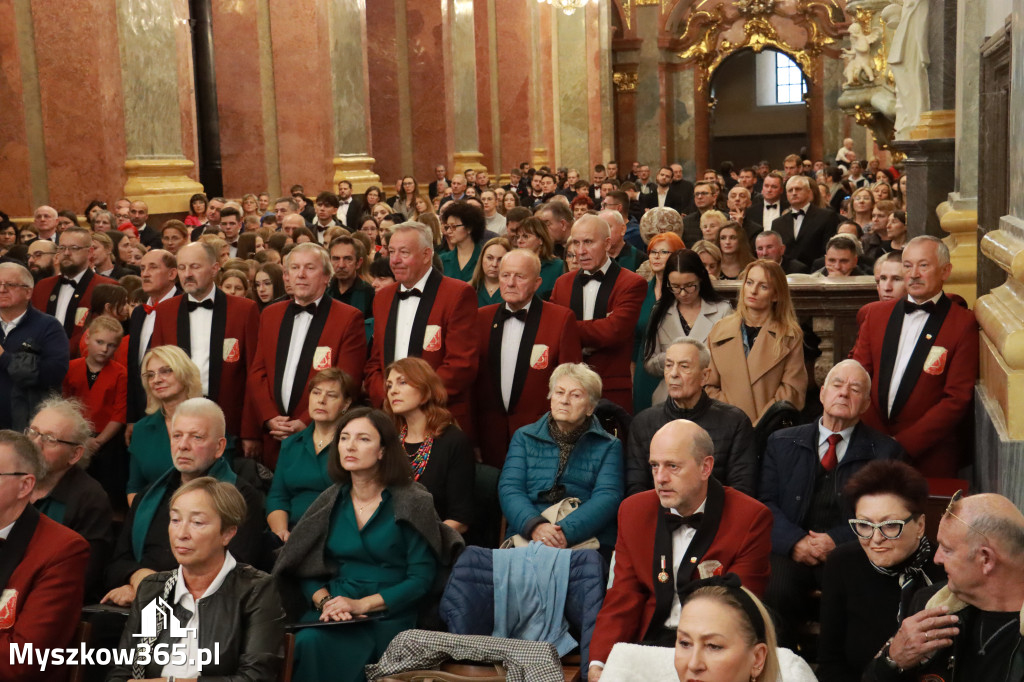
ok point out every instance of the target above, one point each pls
(765, 376)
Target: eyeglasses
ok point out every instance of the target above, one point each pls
(957, 496)
(14, 473)
(679, 288)
(46, 438)
(660, 252)
(13, 285)
(448, 227)
(890, 530)
(163, 371)
(74, 249)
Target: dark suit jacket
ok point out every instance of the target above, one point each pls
(44, 298)
(756, 208)
(442, 334)
(686, 187)
(21, 391)
(45, 564)
(788, 470)
(432, 188)
(691, 229)
(234, 331)
(933, 405)
(677, 198)
(819, 225)
(150, 236)
(353, 214)
(550, 339)
(604, 339)
(736, 532)
(136, 393)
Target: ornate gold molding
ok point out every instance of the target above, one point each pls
(646, 3)
(627, 12)
(356, 169)
(163, 184)
(624, 81)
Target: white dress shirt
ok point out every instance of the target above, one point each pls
(590, 290)
(798, 220)
(681, 539)
(407, 315)
(343, 211)
(770, 214)
(300, 328)
(662, 196)
(841, 446)
(147, 324)
(913, 325)
(511, 339)
(64, 295)
(200, 325)
(190, 667)
(6, 530)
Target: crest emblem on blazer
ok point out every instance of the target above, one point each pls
(80, 315)
(432, 338)
(539, 356)
(935, 363)
(231, 352)
(8, 607)
(322, 358)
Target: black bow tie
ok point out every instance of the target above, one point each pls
(911, 307)
(772, 206)
(297, 308)
(675, 521)
(508, 314)
(67, 281)
(192, 305)
(402, 295)
(797, 212)
(588, 277)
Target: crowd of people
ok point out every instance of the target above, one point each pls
(300, 411)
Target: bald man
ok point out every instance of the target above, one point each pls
(45, 221)
(138, 214)
(689, 526)
(624, 254)
(976, 615)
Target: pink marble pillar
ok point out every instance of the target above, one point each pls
(515, 63)
(485, 129)
(15, 171)
(382, 44)
(431, 104)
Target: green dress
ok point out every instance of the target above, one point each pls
(630, 258)
(643, 383)
(301, 475)
(383, 557)
(149, 452)
(483, 298)
(550, 271)
(450, 261)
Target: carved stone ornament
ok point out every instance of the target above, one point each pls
(624, 81)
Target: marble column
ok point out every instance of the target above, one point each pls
(625, 82)
(463, 64)
(572, 138)
(158, 171)
(540, 120)
(515, 96)
(351, 94)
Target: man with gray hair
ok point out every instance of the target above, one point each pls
(689, 527)
(197, 439)
(212, 224)
(424, 315)
(803, 472)
(922, 355)
(686, 369)
(44, 219)
(67, 493)
(42, 564)
(805, 228)
(622, 253)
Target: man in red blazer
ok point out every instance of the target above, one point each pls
(218, 331)
(424, 315)
(297, 339)
(67, 296)
(520, 342)
(922, 355)
(42, 566)
(687, 528)
(606, 300)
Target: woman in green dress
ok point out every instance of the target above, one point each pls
(367, 550)
(463, 227)
(301, 473)
(534, 236)
(485, 277)
(169, 378)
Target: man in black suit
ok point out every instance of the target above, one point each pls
(803, 473)
(159, 282)
(665, 194)
(440, 173)
(595, 184)
(840, 259)
(350, 209)
(771, 202)
(805, 229)
(704, 200)
(138, 213)
(327, 204)
(684, 185)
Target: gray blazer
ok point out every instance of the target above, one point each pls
(671, 330)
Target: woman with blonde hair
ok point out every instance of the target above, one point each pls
(485, 276)
(757, 355)
(710, 256)
(862, 203)
(710, 223)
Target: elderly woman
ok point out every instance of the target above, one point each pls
(439, 452)
(757, 354)
(689, 306)
(485, 277)
(659, 248)
(533, 235)
(710, 256)
(868, 585)
(464, 226)
(710, 223)
(104, 221)
(301, 472)
(169, 378)
(566, 453)
(370, 544)
(241, 615)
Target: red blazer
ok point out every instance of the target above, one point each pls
(107, 400)
(550, 339)
(931, 413)
(235, 330)
(45, 299)
(49, 582)
(736, 531)
(442, 334)
(340, 341)
(607, 339)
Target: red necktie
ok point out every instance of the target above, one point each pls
(148, 308)
(830, 460)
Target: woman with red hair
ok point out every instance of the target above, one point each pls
(439, 452)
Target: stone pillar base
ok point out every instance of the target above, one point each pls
(999, 458)
(539, 157)
(473, 160)
(962, 226)
(356, 169)
(163, 184)
(935, 124)
(929, 169)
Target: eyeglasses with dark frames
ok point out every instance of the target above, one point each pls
(890, 530)
(957, 496)
(13, 473)
(689, 288)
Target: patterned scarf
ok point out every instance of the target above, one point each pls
(910, 573)
(139, 670)
(566, 441)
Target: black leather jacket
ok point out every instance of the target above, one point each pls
(244, 617)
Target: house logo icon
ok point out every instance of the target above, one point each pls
(158, 610)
